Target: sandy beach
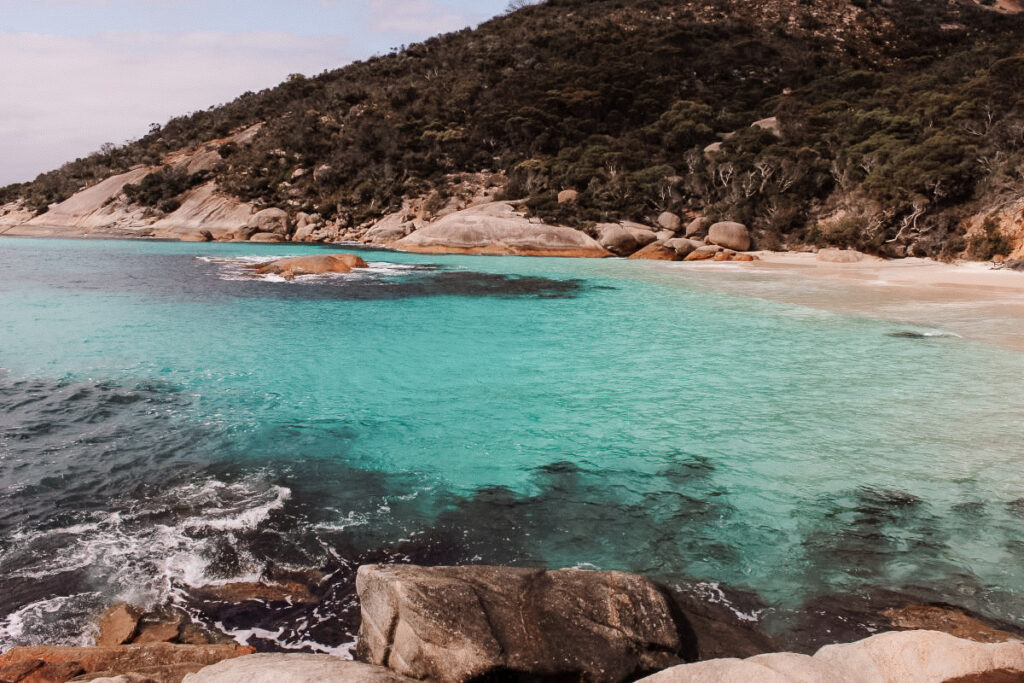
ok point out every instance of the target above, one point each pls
(972, 300)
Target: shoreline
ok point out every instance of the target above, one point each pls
(911, 290)
(969, 300)
(547, 620)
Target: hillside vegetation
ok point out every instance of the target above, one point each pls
(897, 119)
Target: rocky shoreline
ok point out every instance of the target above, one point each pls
(474, 623)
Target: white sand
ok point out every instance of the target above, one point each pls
(972, 300)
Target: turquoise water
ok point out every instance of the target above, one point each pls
(168, 421)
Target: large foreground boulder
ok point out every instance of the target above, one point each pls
(496, 228)
(730, 235)
(300, 668)
(455, 624)
(899, 657)
(320, 264)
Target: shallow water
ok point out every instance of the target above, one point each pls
(167, 421)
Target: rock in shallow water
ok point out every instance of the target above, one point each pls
(453, 624)
(311, 265)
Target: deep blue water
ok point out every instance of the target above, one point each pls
(167, 421)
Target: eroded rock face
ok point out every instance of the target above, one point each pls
(947, 620)
(300, 668)
(453, 624)
(730, 235)
(289, 591)
(308, 265)
(899, 657)
(496, 228)
(390, 228)
(64, 663)
(118, 625)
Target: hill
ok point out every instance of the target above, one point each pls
(892, 126)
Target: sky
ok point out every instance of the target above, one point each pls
(75, 74)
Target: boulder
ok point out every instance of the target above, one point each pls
(172, 673)
(730, 235)
(898, 657)
(947, 620)
(703, 253)
(663, 235)
(616, 239)
(269, 220)
(698, 227)
(165, 632)
(304, 232)
(496, 228)
(118, 625)
(669, 221)
(682, 246)
(59, 662)
(266, 237)
(288, 268)
(321, 172)
(839, 256)
(196, 236)
(712, 149)
(641, 233)
(771, 124)
(455, 624)
(288, 591)
(391, 228)
(299, 668)
(568, 197)
(657, 251)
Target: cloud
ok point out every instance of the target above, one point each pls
(413, 17)
(62, 97)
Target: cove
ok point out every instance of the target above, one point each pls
(168, 421)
